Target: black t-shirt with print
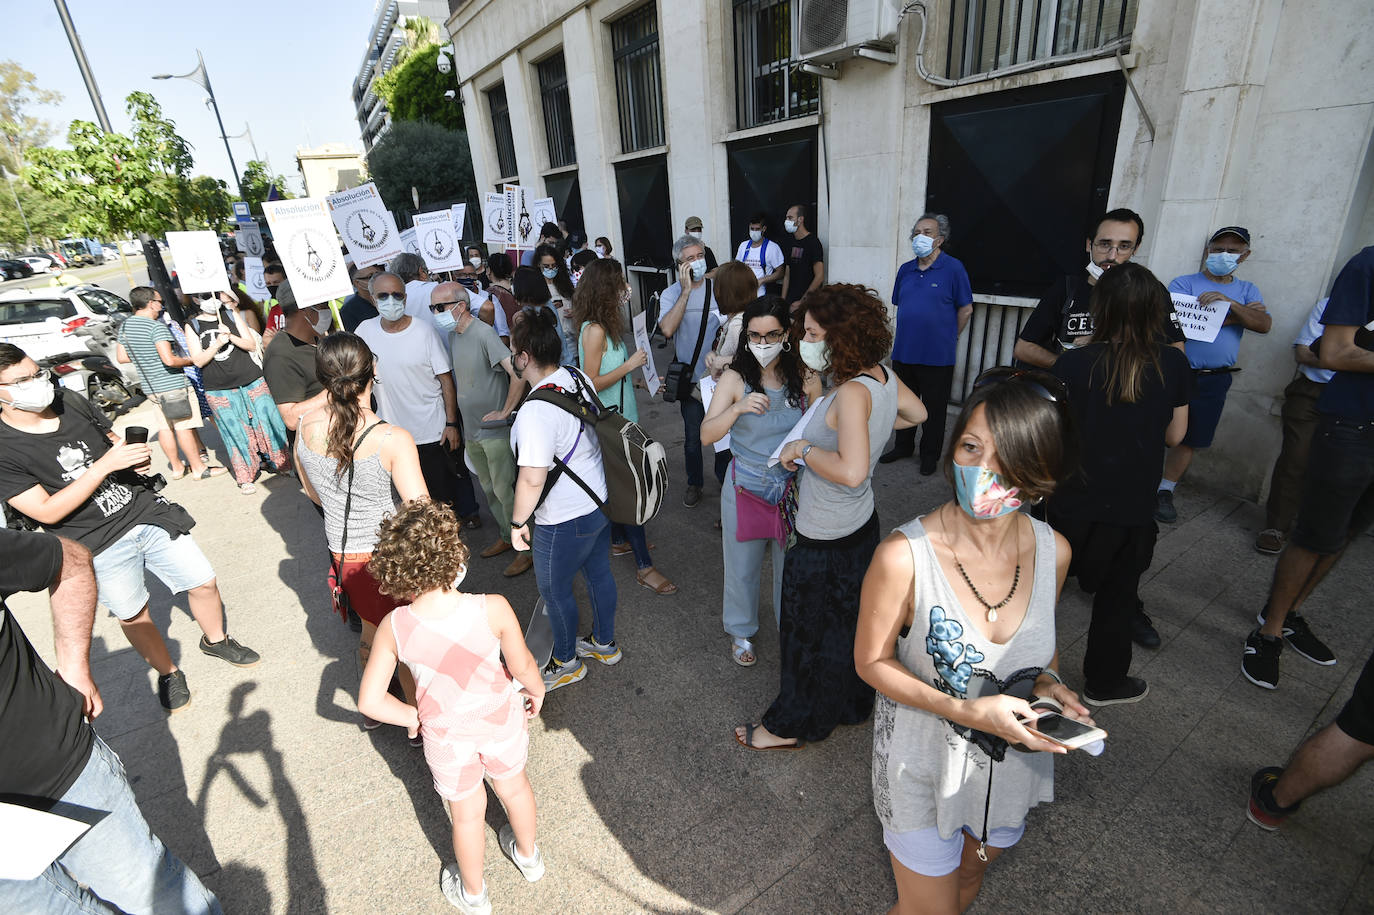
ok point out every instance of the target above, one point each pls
(54, 459)
(802, 255)
(44, 741)
(232, 367)
(1063, 317)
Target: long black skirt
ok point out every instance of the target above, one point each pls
(820, 689)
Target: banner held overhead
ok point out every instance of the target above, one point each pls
(200, 265)
(309, 249)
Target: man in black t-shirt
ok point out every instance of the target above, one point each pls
(49, 754)
(62, 466)
(804, 268)
(288, 364)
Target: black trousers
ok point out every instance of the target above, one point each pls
(443, 483)
(931, 383)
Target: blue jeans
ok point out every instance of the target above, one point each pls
(638, 539)
(744, 570)
(560, 552)
(119, 859)
(692, 415)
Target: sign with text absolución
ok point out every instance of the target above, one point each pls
(365, 225)
(309, 249)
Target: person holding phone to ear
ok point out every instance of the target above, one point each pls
(956, 633)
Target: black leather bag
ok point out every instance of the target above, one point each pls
(677, 380)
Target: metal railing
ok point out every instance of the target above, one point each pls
(553, 95)
(768, 87)
(988, 340)
(638, 79)
(988, 35)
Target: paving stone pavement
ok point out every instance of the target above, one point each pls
(270, 790)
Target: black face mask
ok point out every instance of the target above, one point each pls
(272, 290)
(468, 281)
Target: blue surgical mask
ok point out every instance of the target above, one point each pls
(1222, 263)
(698, 269)
(444, 320)
(549, 272)
(922, 245)
(815, 353)
(391, 307)
(982, 494)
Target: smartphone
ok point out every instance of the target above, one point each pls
(1065, 731)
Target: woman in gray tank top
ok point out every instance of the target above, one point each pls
(844, 335)
(957, 636)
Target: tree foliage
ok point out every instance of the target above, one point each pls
(414, 90)
(48, 218)
(257, 181)
(22, 131)
(205, 202)
(433, 159)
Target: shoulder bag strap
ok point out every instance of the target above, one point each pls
(701, 333)
(348, 493)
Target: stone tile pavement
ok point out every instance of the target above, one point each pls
(270, 790)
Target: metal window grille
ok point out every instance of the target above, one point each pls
(989, 341)
(638, 80)
(500, 128)
(987, 35)
(768, 87)
(558, 129)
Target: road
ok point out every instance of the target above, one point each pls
(109, 275)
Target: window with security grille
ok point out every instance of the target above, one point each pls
(638, 79)
(553, 94)
(500, 128)
(768, 85)
(985, 36)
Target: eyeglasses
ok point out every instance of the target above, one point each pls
(1042, 383)
(40, 375)
(437, 307)
(773, 336)
(1125, 247)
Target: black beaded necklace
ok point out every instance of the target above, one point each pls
(991, 608)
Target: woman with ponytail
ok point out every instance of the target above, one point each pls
(348, 461)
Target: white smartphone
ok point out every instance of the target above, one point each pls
(1065, 731)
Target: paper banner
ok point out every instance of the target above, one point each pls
(199, 263)
(438, 241)
(542, 211)
(521, 231)
(651, 381)
(1200, 322)
(309, 249)
(365, 225)
(252, 278)
(31, 839)
(248, 238)
(409, 242)
(494, 218)
(459, 212)
(708, 393)
(798, 431)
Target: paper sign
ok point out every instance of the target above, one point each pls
(542, 211)
(798, 431)
(30, 839)
(365, 225)
(309, 249)
(199, 263)
(651, 381)
(459, 212)
(494, 218)
(438, 241)
(408, 241)
(1200, 322)
(708, 394)
(248, 238)
(252, 278)
(521, 231)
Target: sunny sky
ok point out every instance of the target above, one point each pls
(285, 67)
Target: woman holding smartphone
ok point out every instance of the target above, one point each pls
(956, 633)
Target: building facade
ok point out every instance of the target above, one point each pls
(384, 42)
(329, 168)
(1019, 119)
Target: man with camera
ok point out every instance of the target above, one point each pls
(62, 466)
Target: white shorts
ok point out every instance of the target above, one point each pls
(924, 852)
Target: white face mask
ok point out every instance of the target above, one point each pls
(765, 353)
(391, 307)
(698, 269)
(476, 263)
(323, 319)
(790, 225)
(462, 573)
(32, 396)
(695, 233)
(1094, 271)
(756, 235)
(600, 250)
(209, 306)
(816, 354)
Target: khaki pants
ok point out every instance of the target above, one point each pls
(494, 462)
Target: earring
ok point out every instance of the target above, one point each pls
(787, 346)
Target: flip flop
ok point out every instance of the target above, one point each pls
(748, 741)
(739, 649)
(666, 588)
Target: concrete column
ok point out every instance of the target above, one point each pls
(481, 142)
(590, 83)
(524, 110)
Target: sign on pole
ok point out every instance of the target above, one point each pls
(248, 238)
(459, 213)
(542, 211)
(494, 218)
(438, 241)
(409, 241)
(252, 278)
(365, 225)
(200, 265)
(309, 249)
(241, 211)
(1200, 322)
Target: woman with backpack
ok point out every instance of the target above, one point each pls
(571, 534)
(598, 305)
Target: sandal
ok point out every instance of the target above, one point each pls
(247, 488)
(209, 472)
(177, 474)
(747, 741)
(663, 587)
(743, 653)
(624, 549)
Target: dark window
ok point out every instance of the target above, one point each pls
(989, 35)
(768, 174)
(638, 81)
(553, 93)
(642, 192)
(500, 128)
(768, 87)
(567, 199)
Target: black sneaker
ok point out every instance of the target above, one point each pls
(896, 454)
(230, 651)
(1300, 638)
(1165, 512)
(1131, 689)
(1263, 810)
(1260, 662)
(928, 468)
(1143, 632)
(173, 692)
(692, 496)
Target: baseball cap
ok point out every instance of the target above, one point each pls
(1243, 234)
(693, 222)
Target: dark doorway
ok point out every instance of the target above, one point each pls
(567, 200)
(645, 226)
(1020, 174)
(769, 174)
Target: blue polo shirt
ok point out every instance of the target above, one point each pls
(1222, 351)
(928, 303)
(1351, 394)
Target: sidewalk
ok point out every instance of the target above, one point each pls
(270, 790)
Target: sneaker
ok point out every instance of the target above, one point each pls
(230, 651)
(692, 496)
(1143, 631)
(1300, 638)
(1132, 689)
(417, 741)
(370, 724)
(1165, 512)
(896, 454)
(173, 692)
(451, 885)
(608, 654)
(562, 673)
(1260, 662)
(1263, 811)
(928, 468)
(1270, 541)
(531, 871)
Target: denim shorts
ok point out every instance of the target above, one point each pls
(922, 851)
(119, 568)
(1204, 410)
(1338, 489)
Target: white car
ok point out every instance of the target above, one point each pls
(81, 318)
(130, 248)
(111, 252)
(40, 263)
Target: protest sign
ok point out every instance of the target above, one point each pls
(409, 242)
(708, 393)
(542, 211)
(248, 238)
(1200, 322)
(521, 232)
(309, 249)
(438, 242)
(199, 263)
(252, 278)
(494, 218)
(641, 328)
(459, 212)
(365, 225)
(30, 840)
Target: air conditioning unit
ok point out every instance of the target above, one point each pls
(835, 30)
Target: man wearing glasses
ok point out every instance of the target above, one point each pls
(359, 307)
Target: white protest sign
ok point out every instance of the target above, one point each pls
(708, 393)
(409, 242)
(459, 212)
(1200, 322)
(31, 839)
(199, 263)
(521, 232)
(542, 211)
(248, 237)
(494, 218)
(438, 242)
(365, 225)
(651, 381)
(252, 278)
(309, 249)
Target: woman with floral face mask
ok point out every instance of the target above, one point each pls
(957, 634)
(844, 335)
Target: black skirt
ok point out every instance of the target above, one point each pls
(821, 581)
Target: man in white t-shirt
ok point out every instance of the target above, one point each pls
(419, 287)
(414, 390)
(760, 255)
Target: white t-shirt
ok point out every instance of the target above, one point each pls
(479, 298)
(763, 260)
(408, 367)
(541, 431)
(418, 296)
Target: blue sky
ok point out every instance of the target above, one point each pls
(285, 67)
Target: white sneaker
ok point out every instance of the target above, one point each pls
(531, 871)
(451, 885)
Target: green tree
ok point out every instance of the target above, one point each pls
(414, 90)
(48, 218)
(433, 159)
(18, 92)
(257, 180)
(205, 201)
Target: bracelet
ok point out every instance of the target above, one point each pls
(1052, 674)
(514, 525)
(454, 425)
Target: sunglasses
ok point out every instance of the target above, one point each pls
(1042, 383)
(437, 307)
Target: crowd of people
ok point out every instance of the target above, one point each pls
(388, 404)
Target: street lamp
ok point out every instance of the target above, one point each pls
(202, 79)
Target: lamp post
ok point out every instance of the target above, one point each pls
(247, 132)
(202, 79)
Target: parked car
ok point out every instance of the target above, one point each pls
(15, 269)
(111, 252)
(130, 248)
(84, 313)
(41, 263)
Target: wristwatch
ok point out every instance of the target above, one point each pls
(454, 425)
(806, 450)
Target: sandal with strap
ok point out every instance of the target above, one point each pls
(743, 653)
(664, 586)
